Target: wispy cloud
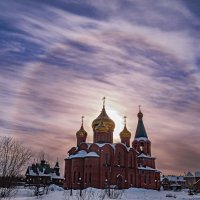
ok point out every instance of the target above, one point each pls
(58, 58)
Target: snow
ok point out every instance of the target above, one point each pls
(57, 193)
(79, 154)
(83, 154)
(55, 176)
(175, 178)
(141, 139)
(92, 154)
(148, 168)
(197, 174)
(142, 155)
(102, 144)
(189, 174)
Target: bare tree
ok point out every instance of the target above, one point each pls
(14, 157)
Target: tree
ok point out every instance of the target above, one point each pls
(14, 157)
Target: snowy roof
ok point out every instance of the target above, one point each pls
(147, 168)
(83, 154)
(141, 139)
(92, 154)
(55, 176)
(175, 178)
(103, 144)
(79, 154)
(112, 145)
(197, 174)
(31, 172)
(189, 174)
(142, 155)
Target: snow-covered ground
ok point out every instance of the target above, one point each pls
(95, 194)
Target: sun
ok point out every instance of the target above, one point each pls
(118, 119)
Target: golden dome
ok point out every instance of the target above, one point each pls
(125, 133)
(81, 132)
(103, 117)
(101, 128)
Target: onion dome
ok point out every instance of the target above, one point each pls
(101, 128)
(125, 133)
(81, 132)
(103, 117)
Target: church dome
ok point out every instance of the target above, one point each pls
(125, 133)
(101, 128)
(103, 117)
(81, 132)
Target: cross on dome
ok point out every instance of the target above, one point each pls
(125, 120)
(104, 101)
(82, 117)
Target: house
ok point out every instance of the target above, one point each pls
(41, 173)
(189, 180)
(172, 182)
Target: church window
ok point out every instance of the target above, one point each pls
(131, 179)
(145, 179)
(130, 162)
(74, 177)
(107, 159)
(106, 175)
(142, 147)
(119, 159)
(85, 177)
(78, 176)
(149, 179)
(90, 178)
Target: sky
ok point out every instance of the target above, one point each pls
(58, 58)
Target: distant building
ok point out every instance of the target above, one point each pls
(173, 182)
(196, 186)
(189, 180)
(197, 176)
(42, 173)
(103, 163)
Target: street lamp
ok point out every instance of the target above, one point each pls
(125, 181)
(107, 186)
(79, 179)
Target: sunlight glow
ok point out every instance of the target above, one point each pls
(118, 119)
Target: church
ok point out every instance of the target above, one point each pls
(103, 164)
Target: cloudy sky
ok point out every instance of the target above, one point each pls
(58, 58)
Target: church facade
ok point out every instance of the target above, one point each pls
(102, 164)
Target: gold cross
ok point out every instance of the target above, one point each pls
(104, 101)
(125, 120)
(82, 119)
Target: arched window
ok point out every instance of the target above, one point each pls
(78, 176)
(145, 179)
(149, 179)
(107, 159)
(106, 175)
(131, 179)
(85, 177)
(74, 177)
(119, 158)
(130, 162)
(90, 177)
(142, 146)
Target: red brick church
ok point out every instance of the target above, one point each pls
(103, 163)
